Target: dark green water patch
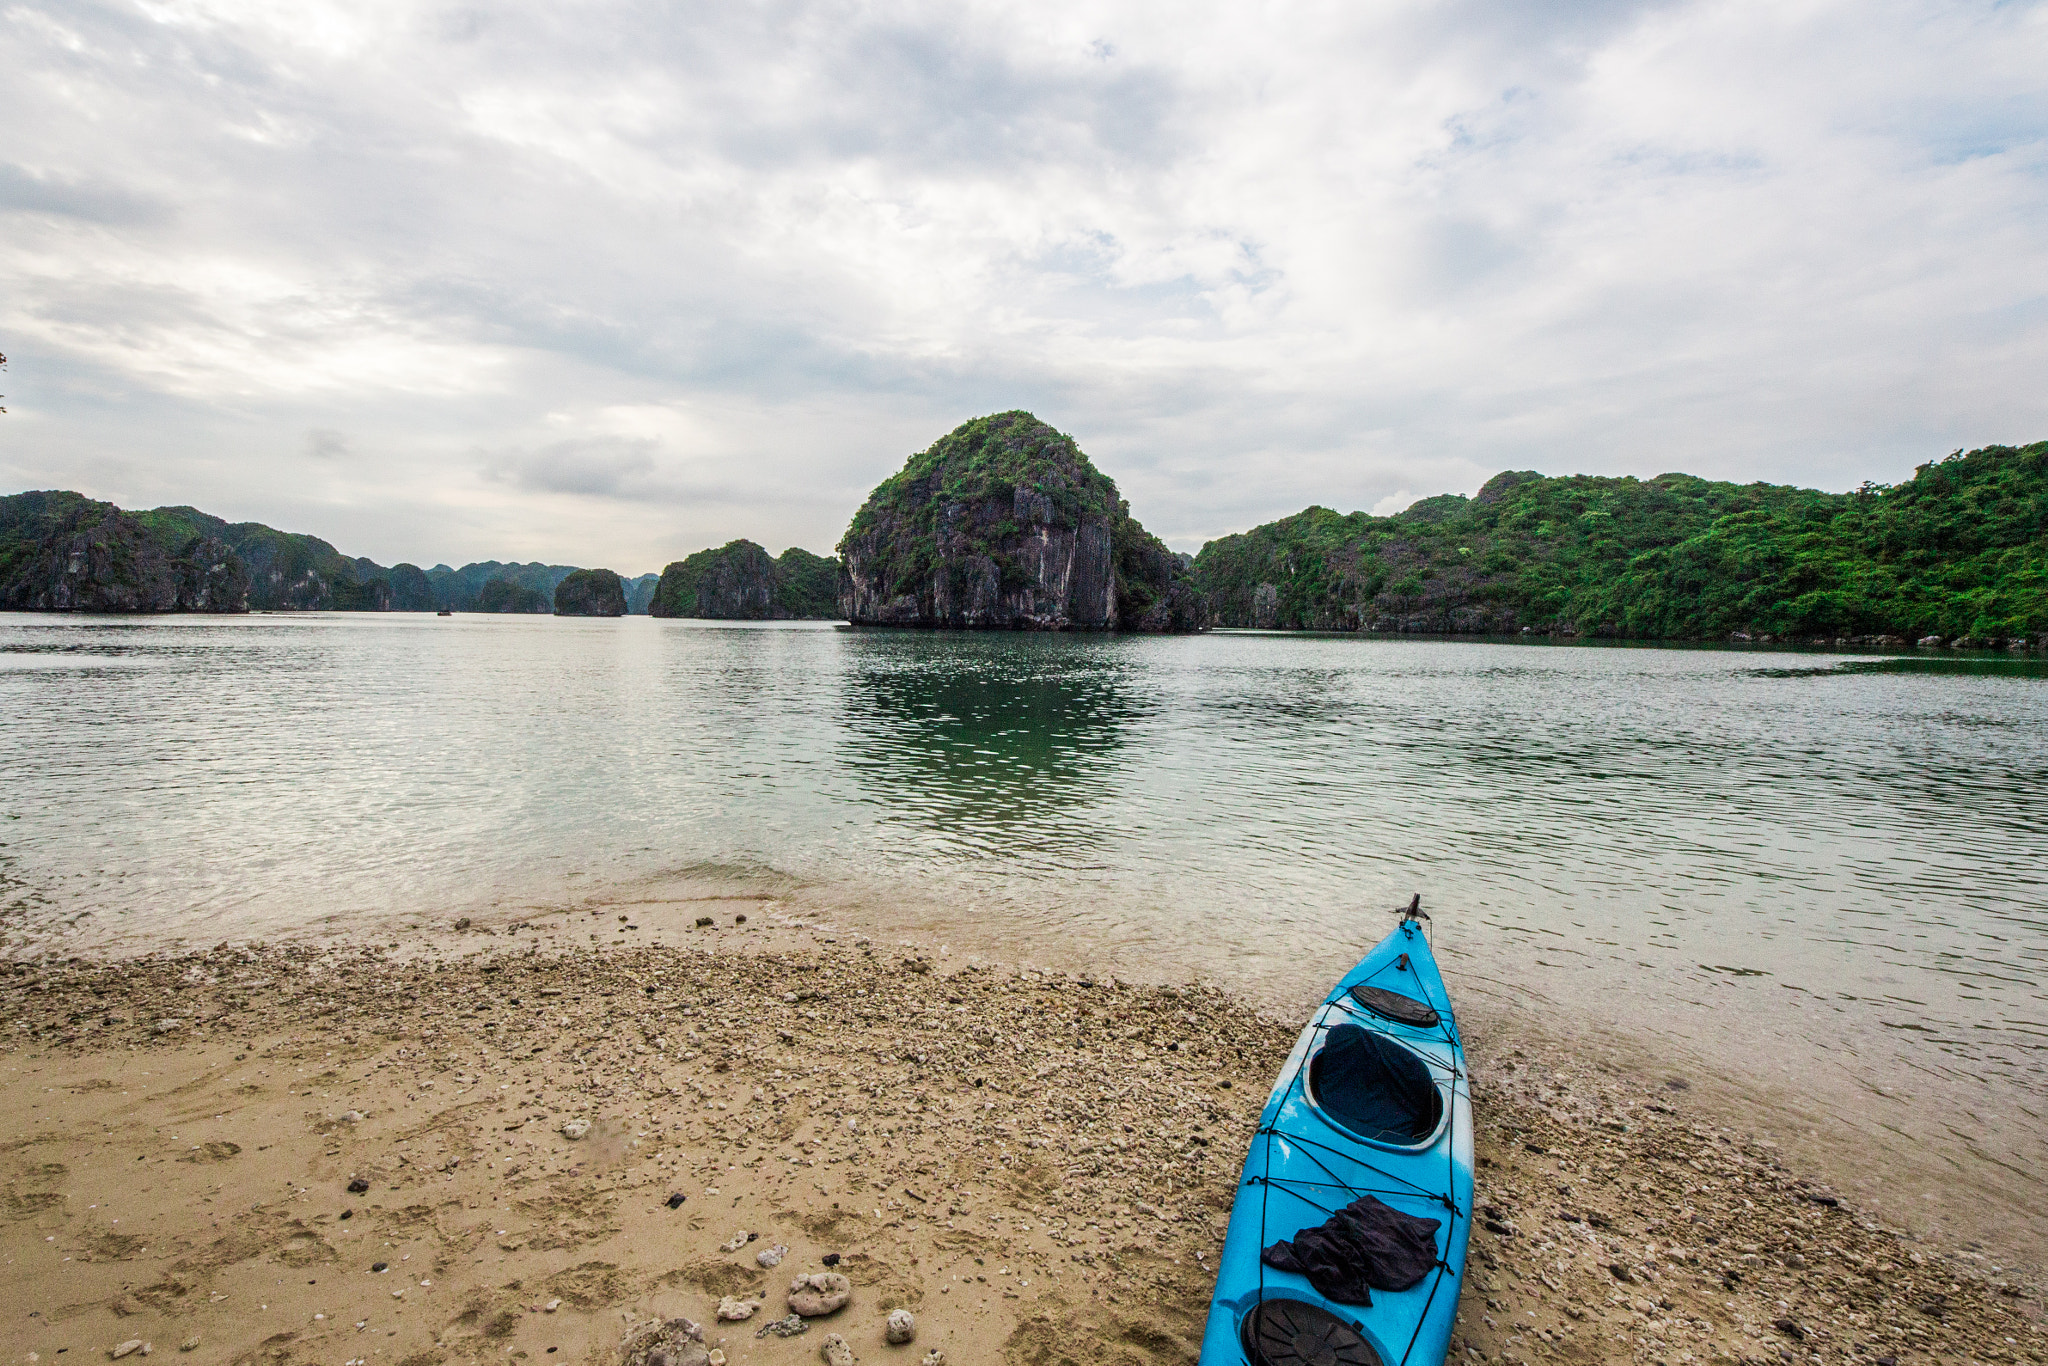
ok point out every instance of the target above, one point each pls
(1958, 666)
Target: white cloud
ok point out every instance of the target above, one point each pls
(618, 280)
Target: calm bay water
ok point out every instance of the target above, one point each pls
(1824, 874)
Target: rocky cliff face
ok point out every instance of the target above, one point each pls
(591, 593)
(735, 582)
(503, 595)
(60, 552)
(640, 593)
(1005, 524)
(740, 582)
(287, 571)
(410, 591)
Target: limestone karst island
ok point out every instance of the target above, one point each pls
(1005, 524)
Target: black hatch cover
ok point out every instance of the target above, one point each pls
(1392, 1005)
(1291, 1333)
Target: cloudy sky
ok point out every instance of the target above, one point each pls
(603, 283)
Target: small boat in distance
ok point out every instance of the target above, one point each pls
(445, 612)
(1347, 1239)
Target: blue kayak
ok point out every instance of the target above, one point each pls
(1371, 1119)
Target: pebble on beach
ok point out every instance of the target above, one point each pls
(789, 1326)
(818, 1294)
(665, 1342)
(735, 1310)
(901, 1328)
(575, 1129)
(835, 1351)
(771, 1257)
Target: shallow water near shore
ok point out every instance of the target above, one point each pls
(1814, 882)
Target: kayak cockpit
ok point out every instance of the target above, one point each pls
(1376, 1088)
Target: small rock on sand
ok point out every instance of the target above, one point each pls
(733, 1311)
(835, 1351)
(189, 1344)
(167, 1025)
(132, 1345)
(734, 1243)
(822, 1292)
(575, 1129)
(676, 1342)
(771, 1256)
(934, 1358)
(901, 1328)
(783, 1328)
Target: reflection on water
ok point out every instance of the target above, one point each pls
(996, 746)
(1961, 666)
(1836, 864)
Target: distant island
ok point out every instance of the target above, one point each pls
(64, 552)
(1004, 523)
(591, 593)
(739, 581)
(1957, 555)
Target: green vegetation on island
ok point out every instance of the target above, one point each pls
(504, 596)
(1959, 552)
(591, 593)
(64, 552)
(1005, 523)
(739, 581)
(61, 551)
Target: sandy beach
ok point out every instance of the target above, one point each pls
(364, 1155)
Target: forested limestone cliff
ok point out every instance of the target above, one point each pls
(1959, 552)
(739, 581)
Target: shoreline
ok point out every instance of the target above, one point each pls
(954, 1130)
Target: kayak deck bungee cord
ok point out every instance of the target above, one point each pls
(1365, 1142)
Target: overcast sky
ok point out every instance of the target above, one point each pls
(605, 283)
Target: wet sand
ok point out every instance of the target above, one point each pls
(1039, 1165)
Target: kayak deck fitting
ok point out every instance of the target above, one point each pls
(1373, 1101)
